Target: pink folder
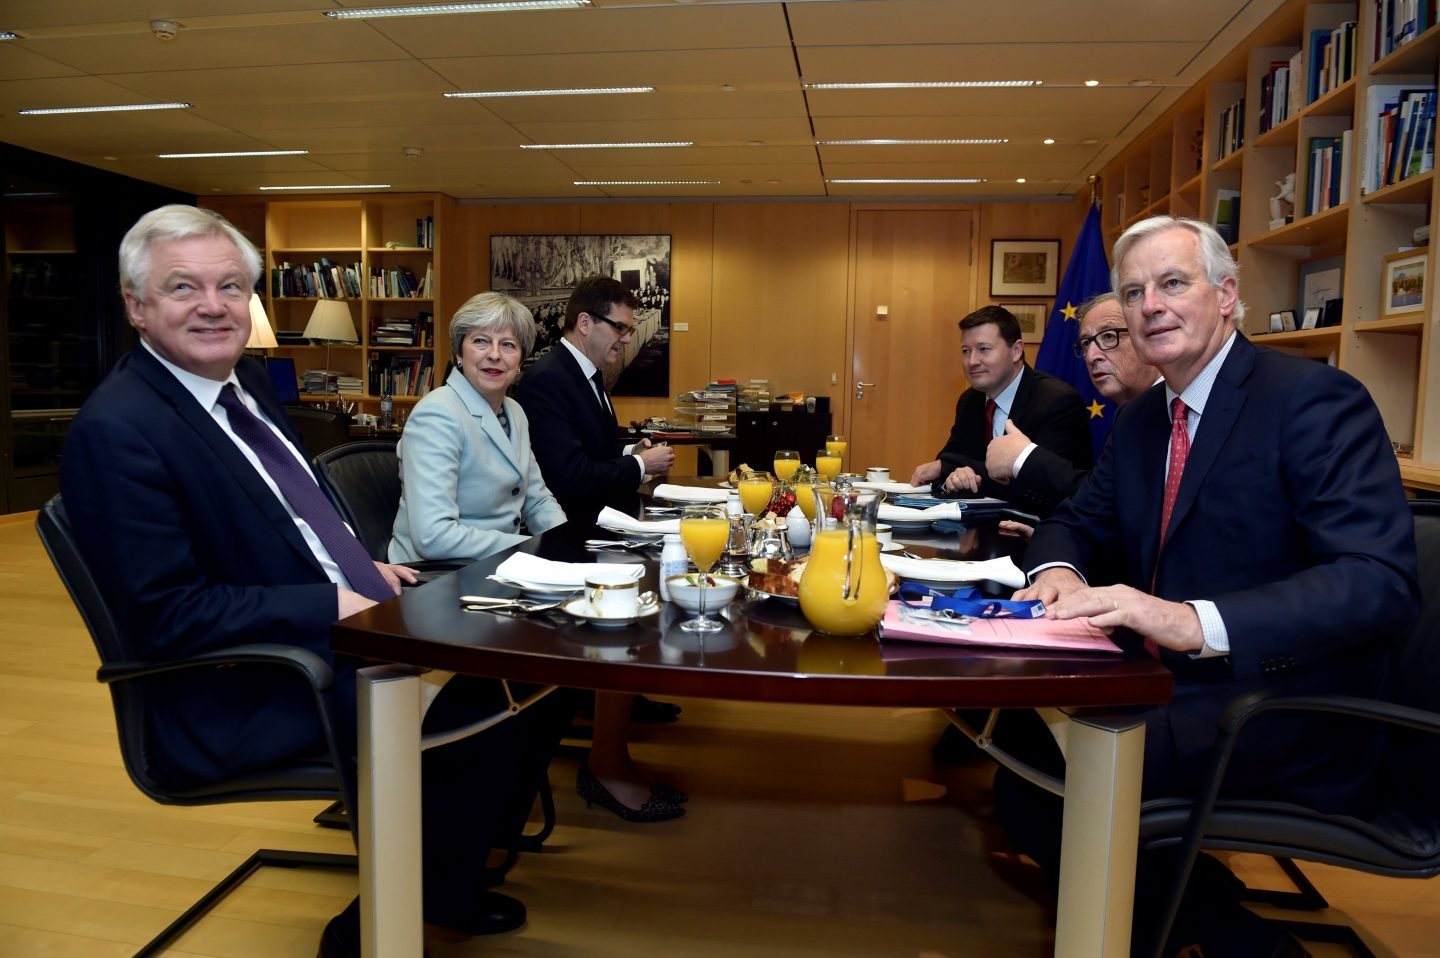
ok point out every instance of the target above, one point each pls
(907, 624)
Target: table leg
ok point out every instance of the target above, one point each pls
(1100, 837)
(391, 910)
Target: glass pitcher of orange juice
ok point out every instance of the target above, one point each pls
(843, 590)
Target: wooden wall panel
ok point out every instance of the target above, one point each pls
(1025, 221)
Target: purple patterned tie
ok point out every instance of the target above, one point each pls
(306, 498)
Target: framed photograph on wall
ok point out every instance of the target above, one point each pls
(1402, 288)
(1024, 267)
(1032, 317)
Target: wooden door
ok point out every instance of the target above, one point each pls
(915, 266)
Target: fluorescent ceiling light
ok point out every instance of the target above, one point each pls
(435, 9)
(118, 108)
(202, 156)
(9, 35)
(579, 91)
(923, 85)
(967, 141)
(602, 146)
(906, 181)
(335, 186)
(646, 182)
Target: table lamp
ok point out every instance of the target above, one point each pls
(331, 324)
(262, 335)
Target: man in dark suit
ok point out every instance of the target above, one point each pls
(1255, 510)
(1003, 389)
(1038, 478)
(573, 428)
(201, 537)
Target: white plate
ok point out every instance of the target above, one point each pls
(542, 591)
(892, 546)
(580, 608)
(922, 525)
(787, 599)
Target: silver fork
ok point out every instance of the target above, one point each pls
(478, 603)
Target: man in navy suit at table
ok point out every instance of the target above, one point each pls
(1252, 507)
(193, 504)
(573, 428)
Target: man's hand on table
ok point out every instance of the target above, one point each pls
(1174, 625)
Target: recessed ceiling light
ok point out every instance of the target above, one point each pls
(602, 146)
(578, 91)
(1019, 179)
(1092, 82)
(965, 141)
(436, 9)
(646, 182)
(333, 186)
(1049, 141)
(202, 156)
(116, 108)
(1090, 141)
(925, 85)
(957, 180)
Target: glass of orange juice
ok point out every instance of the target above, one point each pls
(805, 499)
(787, 463)
(836, 446)
(827, 463)
(704, 529)
(755, 493)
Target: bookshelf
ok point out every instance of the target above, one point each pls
(390, 245)
(1339, 217)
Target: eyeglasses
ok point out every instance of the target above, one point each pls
(620, 328)
(1106, 339)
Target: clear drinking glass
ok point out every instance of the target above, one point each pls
(704, 529)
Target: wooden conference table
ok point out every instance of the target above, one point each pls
(768, 654)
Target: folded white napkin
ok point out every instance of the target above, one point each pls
(1003, 571)
(898, 488)
(668, 490)
(618, 521)
(943, 510)
(526, 570)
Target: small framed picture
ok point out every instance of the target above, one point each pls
(1402, 287)
(1287, 320)
(1312, 318)
(1276, 325)
(1032, 317)
(1024, 267)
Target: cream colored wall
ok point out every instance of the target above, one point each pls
(763, 287)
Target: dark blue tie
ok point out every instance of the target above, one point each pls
(306, 498)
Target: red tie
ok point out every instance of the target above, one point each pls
(1179, 452)
(989, 419)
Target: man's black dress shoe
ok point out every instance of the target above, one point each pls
(494, 914)
(650, 712)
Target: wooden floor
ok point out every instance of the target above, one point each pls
(812, 832)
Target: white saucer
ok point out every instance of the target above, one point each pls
(892, 546)
(580, 608)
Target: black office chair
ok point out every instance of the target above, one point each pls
(125, 676)
(1397, 834)
(320, 429)
(364, 482)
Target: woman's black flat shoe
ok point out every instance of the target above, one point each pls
(594, 792)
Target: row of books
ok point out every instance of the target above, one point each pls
(1401, 143)
(1279, 97)
(322, 280)
(397, 282)
(1232, 128)
(320, 381)
(1227, 215)
(1397, 22)
(1330, 159)
(417, 330)
(425, 231)
(1332, 60)
(392, 375)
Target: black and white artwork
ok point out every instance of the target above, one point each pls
(541, 270)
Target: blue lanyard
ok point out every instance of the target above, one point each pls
(970, 603)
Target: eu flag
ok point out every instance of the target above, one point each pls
(1086, 275)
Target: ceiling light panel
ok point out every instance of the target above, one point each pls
(206, 156)
(605, 146)
(580, 91)
(440, 9)
(113, 108)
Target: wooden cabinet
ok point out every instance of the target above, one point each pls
(759, 434)
(1344, 235)
(379, 255)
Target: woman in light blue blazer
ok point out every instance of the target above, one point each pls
(470, 484)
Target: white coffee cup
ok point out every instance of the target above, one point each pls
(883, 533)
(613, 595)
(877, 474)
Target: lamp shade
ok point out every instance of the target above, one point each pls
(262, 336)
(331, 322)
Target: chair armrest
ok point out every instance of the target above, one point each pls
(314, 668)
(1246, 707)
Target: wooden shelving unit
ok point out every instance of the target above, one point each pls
(381, 233)
(1397, 358)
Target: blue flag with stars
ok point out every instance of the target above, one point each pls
(1086, 275)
